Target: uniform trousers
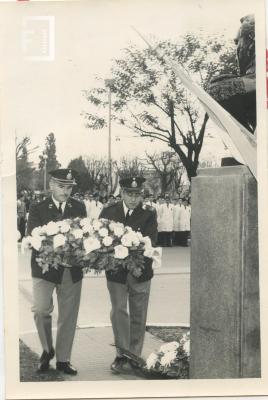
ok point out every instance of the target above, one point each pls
(68, 296)
(129, 313)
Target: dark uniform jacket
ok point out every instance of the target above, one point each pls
(143, 221)
(42, 213)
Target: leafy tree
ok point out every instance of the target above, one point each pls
(148, 98)
(50, 151)
(83, 183)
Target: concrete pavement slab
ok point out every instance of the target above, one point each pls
(92, 353)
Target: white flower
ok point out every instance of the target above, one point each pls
(103, 232)
(52, 228)
(64, 227)
(78, 233)
(139, 236)
(157, 257)
(96, 224)
(36, 242)
(147, 242)
(112, 225)
(91, 244)
(167, 358)
(85, 221)
(186, 347)
(120, 252)
(126, 240)
(88, 228)
(59, 240)
(148, 252)
(25, 243)
(171, 346)
(37, 231)
(118, 230)
(151, 360)
(107, 241)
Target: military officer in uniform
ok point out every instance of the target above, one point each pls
(129, 328)
(66, 281)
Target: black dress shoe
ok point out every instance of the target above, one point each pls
(44, 360)
(118, 366)
(66, 367)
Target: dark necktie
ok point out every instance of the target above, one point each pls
(127, 215)
(60, 209)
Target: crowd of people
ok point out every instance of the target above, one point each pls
(173, 213)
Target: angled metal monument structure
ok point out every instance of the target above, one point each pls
(225, 312)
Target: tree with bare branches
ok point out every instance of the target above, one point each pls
(168, 168)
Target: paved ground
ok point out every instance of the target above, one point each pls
(92, 351)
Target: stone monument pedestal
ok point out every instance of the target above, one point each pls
(225, 314)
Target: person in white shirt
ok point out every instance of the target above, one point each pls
(185, 222)
(158, 206)
(177, 211)
(166, 216)
(95, 207)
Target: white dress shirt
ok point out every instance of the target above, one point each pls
(57, 204)
(127, 209)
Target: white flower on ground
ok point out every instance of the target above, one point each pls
(126, 240)
(107, 241)
(171, 346)
(120, 252)
(64, 227)
(103, 232)
(96, 224)
(151, 360)
(36, 242)
(118, 231)
(59, 240)
(52, 228)
(78, 233)
(186, 347)
(91, 244)
(167, 358)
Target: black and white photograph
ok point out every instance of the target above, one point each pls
(133, 196)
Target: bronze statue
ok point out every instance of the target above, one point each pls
(237, 94)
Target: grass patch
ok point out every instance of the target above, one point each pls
(167, 333)
(28, 366)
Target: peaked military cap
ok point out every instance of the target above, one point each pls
(66, 176)
(132, 183)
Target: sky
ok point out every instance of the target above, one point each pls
(46, 96)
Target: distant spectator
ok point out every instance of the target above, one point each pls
(21, 216)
